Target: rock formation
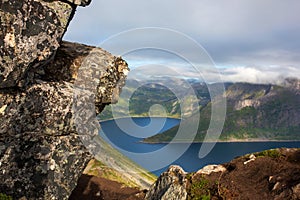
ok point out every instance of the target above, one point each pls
(271, 174)
(46, 87)
(171, 185)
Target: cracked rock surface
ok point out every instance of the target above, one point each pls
(40, 149)
(30, 33)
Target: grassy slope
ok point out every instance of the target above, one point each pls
(113, 165)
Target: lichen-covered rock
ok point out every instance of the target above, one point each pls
(46, 105)
(46, 126)
(41, 167)
(30, 32)
(49, 98)
(82, 65)
(44, 108)
(171, 185)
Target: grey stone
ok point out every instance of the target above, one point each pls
(207, 170)
(50, 93)
(47, 126)
(171, 185)
(46, 105)
(41, 167)
(31, 31)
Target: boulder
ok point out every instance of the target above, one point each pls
(30, 33)
(171, 185)
(207, 170)
(47, 125)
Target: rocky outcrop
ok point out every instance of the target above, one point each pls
(49, 99)
(171, 185)
(30, 33)
(246, 103)
(293, 84)
(40, 149)
(271, 174)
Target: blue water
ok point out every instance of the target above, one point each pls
(157, 157)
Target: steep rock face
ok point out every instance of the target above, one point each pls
(49, 98)
(265, 106)
(293, 84)
(41, 151)
(171, 185)
(31, 31)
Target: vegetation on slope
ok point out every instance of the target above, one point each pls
(254, 112)
(270, 174)
(118, 165)
(99, 169)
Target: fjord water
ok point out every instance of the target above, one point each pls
(189, 160)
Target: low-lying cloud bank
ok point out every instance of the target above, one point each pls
(273, 74)
(251, 74)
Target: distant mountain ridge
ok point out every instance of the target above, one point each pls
(254, 111)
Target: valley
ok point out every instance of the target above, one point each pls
(255, 112)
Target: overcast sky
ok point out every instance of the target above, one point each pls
(248, 40)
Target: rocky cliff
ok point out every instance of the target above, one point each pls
(46, 87)
(271, 174)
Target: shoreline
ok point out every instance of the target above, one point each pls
(196, 142)
(136, 117)
(230, 141)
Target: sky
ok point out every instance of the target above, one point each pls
(242, 40)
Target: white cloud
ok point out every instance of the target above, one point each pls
(272, 74)
(260, 34)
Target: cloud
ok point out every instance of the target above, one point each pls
(258, 75)
(248, 37)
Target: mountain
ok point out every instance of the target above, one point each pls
(166, 92)
(254, 111)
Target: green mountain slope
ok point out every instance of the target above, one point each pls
(254, 112)
(143, 95)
